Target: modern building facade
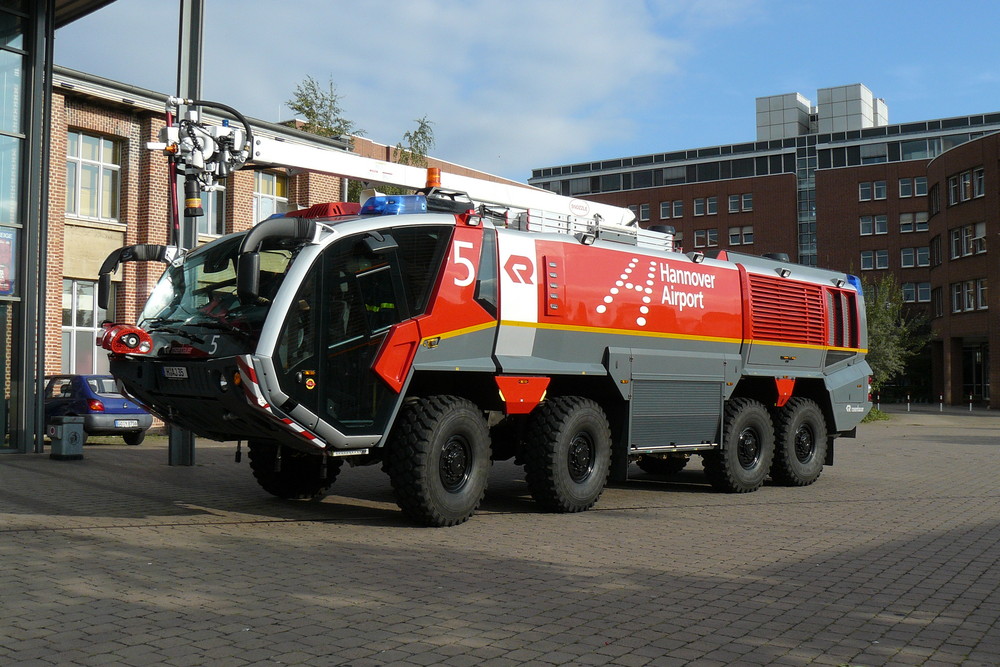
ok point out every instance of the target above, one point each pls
(835, 185)
(28, 31)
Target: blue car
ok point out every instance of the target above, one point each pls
(96, 398)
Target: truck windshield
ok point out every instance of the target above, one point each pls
(200, 290)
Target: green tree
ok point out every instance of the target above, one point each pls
(415, 145)
(896, 334)
(320, 109)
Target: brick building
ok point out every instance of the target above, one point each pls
(836, 185)
(107, 190)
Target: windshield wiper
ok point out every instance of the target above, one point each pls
(221, 325)
(175, 330)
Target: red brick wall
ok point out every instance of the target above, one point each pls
(773, 216)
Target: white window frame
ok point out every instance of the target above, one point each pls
(269, 201)
(106, 169)
(881, 259)
(75, 297)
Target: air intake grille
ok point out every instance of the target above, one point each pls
(787, 311)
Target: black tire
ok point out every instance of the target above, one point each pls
(567, 453)
(134, 437)
(800, 443)
(662, 464)
(438, 459)
(299, 476)
(747, 448)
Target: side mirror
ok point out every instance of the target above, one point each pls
(103, 290)
(248, 278)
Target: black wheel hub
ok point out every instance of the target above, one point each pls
(748, 448)
(805, 444)
(580, 457)
(454, 463)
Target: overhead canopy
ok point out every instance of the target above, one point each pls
(68, 11)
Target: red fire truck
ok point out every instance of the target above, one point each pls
(434, 333)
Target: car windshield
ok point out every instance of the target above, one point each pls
(200, 290)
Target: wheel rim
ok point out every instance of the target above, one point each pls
(454, 464)
(748, 448)
(805, 443)
(580, 457)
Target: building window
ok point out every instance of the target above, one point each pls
(881, 259)
(921, 221)
(734, 203)
(905, 223)
(911, 257)
(881, 224)
(81, 322)
(664, 210)
(905, 188)
(909, 292)
(957, 302)
(699, 206)
(936, 257)
(867, 225)
(270, 194)
(880, 190)
(867, 260)
(741, 235)
(923, 292)
(965, 186)
(747, 202)
(643, 212)
(678, 209)
(969, 295)
(93, 166)
(924, 256)
(213, 222)
(706, 238)
(865, 191)
(213, 203)
(920, 186)
(712, 205)
(968, 240)
(937, 302)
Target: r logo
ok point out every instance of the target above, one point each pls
(520, 269)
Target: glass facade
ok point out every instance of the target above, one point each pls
(13, 57)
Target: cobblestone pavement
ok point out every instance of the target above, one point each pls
(890, 559)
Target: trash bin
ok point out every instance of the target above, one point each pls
(66, 434)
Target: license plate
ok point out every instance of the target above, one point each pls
(175, 372)
(126, 423)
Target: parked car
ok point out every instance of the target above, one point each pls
(96, 398)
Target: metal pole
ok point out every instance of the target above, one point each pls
(180, 448)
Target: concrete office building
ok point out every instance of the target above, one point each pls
(836, 185)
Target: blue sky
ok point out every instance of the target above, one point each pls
(522, 84)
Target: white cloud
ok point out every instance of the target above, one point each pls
(508, 85)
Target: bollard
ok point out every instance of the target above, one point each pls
(878, 402)
(907, 402)
(940, 402)
(970, 402)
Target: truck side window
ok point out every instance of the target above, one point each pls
(421, 253)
